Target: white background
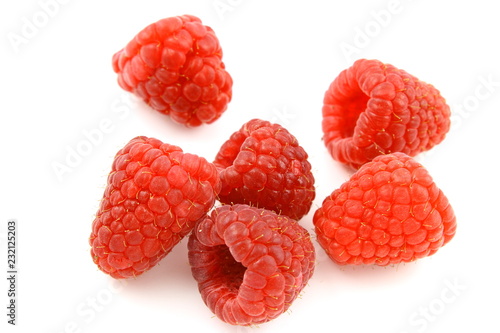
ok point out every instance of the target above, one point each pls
(57, 84)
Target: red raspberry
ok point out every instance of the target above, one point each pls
(373, 109)
(154, 196)
(250, 263)
(175, 65)
(390, 211)
(263, 165)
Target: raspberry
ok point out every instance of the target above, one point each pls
(263, 165)
(390, 211)
(154, 195)
(175, 65)
(372, 109)
(250, 263)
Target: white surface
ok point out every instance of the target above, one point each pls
(58, 85)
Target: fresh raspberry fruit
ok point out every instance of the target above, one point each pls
(390, 211)
(263, 165)
(250, 263)
(373, 109)
(154, 196)
(175, 65)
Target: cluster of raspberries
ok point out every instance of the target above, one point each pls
(249, 255)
